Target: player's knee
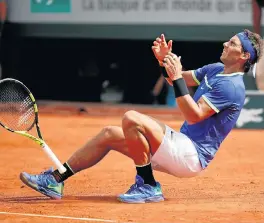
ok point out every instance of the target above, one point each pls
(108, 132)
(130, 120)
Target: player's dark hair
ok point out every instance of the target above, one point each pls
(257, 44)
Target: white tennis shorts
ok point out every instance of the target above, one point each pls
(176, 155)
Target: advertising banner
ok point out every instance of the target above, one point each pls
(157, 12)
(252, 115)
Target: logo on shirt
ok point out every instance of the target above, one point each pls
(50, 6)
(252, 115)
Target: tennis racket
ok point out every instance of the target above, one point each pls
(19, 114)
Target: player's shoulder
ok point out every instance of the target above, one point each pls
(214, 69)
(216, 66)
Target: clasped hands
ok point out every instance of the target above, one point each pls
(170, 61)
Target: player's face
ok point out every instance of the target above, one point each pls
(232, 52)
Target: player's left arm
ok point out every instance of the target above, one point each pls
(221, 96)
(194, 112)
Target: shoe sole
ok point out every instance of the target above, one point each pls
(148, 200)
(26, 182)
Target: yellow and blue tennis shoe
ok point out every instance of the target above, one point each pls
(44, 183)
(142, 193)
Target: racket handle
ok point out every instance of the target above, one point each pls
(53, 157)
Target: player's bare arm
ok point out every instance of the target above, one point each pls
(193, 112)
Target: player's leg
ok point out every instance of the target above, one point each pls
(109, 138)
(164, 148)
(51, 183)
(143, 136)
(140, 137)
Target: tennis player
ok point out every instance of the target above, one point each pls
(210, 115)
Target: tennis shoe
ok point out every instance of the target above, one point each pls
(142, 193)
(44, 183)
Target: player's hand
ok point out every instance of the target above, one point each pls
(160, 48)
(173, 66)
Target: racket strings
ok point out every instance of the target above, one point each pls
(16, 107)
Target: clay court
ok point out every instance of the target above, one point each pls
(230, 190)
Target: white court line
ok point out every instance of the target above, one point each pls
(57, 217)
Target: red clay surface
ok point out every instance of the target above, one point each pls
(230, 190)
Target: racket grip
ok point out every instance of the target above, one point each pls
(53, 157)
